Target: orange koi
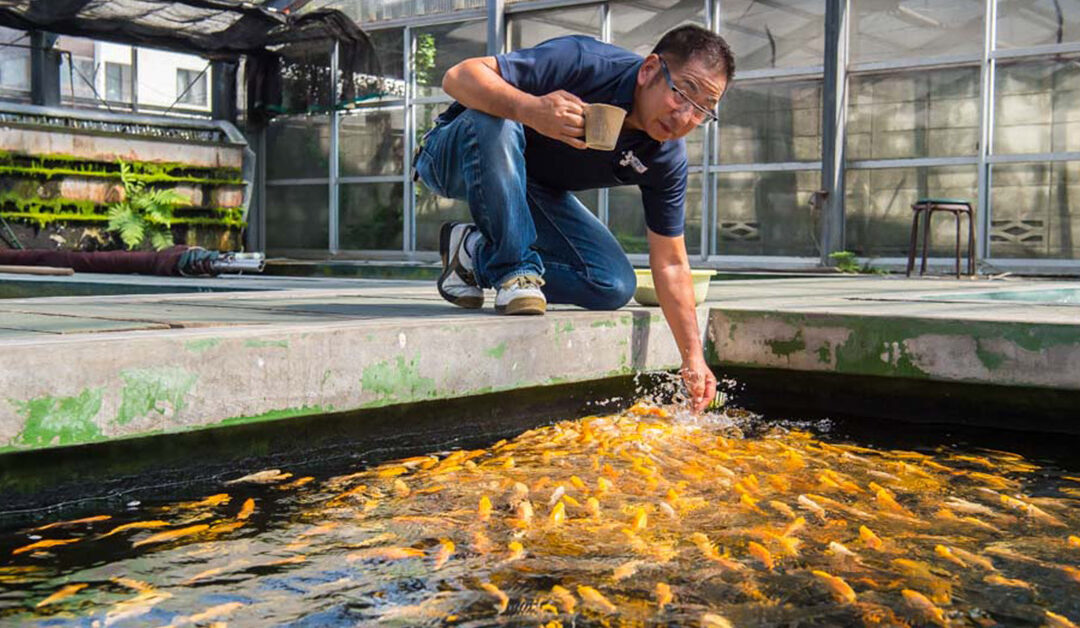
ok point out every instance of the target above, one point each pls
(501, 599)
(782, 508)
(840, 590)
(72, 522)
(593, 506)
(565, 599)
(213, 612)
(948, 555)
(65, 591)
(664, 595)
(1031, 510)
(172, 535)
(484, 509)
(401, 489)
(759, 552)
(870, 540)
(446, 549)
(268, 476)
(920, 604)
(246, 509)
(625, 570)
(1006, 582)
(385, 553)
(558, 514)
(641, 519)
(712, 620)
(595, 599)
(1053, 620)
(136, 525)
(42, 545)
(517, 550)
(1074, 542)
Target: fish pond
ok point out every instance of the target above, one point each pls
(641, 517)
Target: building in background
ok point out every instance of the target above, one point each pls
(876, 102)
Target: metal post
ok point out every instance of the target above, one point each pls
(333, 226)
(44, 70)
(258, 240)
(986, 131)
(833, 119)
(496, 26)
(223, 90)
(603, 195)
(408, 201)
(134, 79)
(709, 199)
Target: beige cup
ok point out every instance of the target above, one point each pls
(602, 125)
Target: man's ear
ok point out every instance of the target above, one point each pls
(649, 70)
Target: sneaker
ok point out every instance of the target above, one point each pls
(521, 295)
(457, 284)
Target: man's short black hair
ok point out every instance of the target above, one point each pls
(680, 44)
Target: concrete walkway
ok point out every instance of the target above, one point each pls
(92, 368)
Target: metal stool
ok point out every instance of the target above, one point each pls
(954, 207)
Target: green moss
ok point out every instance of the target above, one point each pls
(59, 420)
(153, 390)
(49, 165)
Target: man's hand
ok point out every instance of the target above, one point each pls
(700, 383)
(559, 115)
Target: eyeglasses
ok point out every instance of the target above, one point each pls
(684, 100)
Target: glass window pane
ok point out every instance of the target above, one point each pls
(695, 146)
(438, 48)
(118, 82)
(368, 11)
(296, 217)
(191, 87)
(14, 64)
(626, 217)
(298, 147)
(1022, 23)
(1037, 107)
(886, 30)
(776, 34)
(525, 30)
(637, 26)
(590, 199)
(389, 49)
(766, 213)
(878, 207)
(1032, 207)
(924, 113)
(432, 211)
(771, 122)
(371, 216)
(372, 142)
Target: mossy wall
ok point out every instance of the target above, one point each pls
(61, 201)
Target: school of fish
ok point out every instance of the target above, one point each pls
(631, 519)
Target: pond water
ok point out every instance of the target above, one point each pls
(645, 517)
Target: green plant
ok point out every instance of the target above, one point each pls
(847, 263)
(143, 213)
(424, 59)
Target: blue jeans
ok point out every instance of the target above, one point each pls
(528, 228)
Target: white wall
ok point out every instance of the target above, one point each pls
(157, 73)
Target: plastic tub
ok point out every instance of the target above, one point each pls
(646, 290)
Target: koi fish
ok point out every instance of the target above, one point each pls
(136, 525)
(663, 595)
(385, 553)
(1074, 542)
(759, 552)
(712, 620)
(65, 591)
(1053, 620)
(840, 590)
(812, 506)
(973, 558)
(268, 476)
(501, 599)
(213, 612)
(838, 549)
(870, 540)
(401, 489)
(920, 604)
(1031, 510)
(246, 509)
(641, 519)
(782, 508)
(446, 549)
(625, 570)
(172, 535)
(564, 598)
(42, 545)
(72, 522)
(1006, 582)
(558, 514)
(593, 506)
(595, 599)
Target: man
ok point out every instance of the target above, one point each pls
(512, 147)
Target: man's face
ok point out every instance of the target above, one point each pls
(668, 114)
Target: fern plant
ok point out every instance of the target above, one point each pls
(144, 213)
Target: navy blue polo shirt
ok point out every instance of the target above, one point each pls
(596, 73)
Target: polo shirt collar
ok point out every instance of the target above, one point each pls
(624, 91)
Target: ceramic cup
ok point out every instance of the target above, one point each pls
(602, 125)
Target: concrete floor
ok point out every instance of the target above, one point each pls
(93, 368)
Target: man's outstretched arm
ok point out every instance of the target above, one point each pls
(477, 84)
(675, 291)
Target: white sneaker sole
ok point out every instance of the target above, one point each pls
(523, 306)
(468, 302)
